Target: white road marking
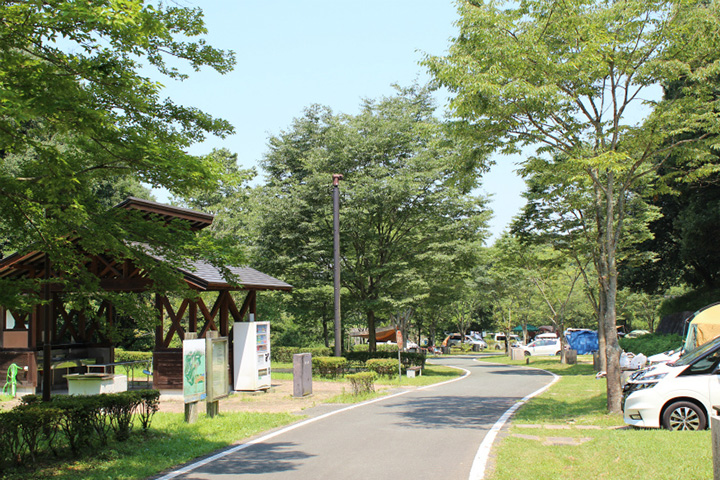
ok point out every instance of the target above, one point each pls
(477, 472)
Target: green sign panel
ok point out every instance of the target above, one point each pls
(194, 378)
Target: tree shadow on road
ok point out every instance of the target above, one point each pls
(256, 459)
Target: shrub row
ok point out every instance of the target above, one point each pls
(381, 347)
(336, 366)
(383, 366)
(408, 359)
(329, 366)
(285, 354)
(78, 422)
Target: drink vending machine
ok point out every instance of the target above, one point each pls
(251, 355)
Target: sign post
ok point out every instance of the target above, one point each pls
(218, 378)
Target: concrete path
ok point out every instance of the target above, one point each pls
(432, 432)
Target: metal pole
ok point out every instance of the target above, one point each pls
(336, 261)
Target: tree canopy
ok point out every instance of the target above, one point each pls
(81, 108)
(407, 228)
(564, 79)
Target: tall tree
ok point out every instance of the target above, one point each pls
(402, 215)
(564, 78)
(79, 110)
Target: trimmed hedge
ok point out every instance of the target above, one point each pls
(80, 423)
(383, 366)
(408, 359)
(285, 354)
(329, 366)
(362, 382)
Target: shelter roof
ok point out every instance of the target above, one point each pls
(207, 277)
(199, 274)
(197, 220)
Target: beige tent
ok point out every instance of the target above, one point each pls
(704, 326)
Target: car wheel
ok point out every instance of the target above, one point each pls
(527, 354)
(684, 415)
(557, 353)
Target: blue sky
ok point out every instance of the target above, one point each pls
(291, 54)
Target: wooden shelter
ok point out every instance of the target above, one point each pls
(76, 337)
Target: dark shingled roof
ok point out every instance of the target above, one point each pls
(206, 276)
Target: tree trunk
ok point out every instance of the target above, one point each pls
(371, 331)
(326, 339)
(602, 342)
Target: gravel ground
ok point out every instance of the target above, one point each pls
(278, 399)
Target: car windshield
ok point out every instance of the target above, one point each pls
(694, 354)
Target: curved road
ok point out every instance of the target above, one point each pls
(432, 431)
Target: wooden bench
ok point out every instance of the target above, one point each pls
(413, 372)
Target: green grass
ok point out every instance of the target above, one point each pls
(169, 442)
(578, 402)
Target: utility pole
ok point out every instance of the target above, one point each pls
(336, 260)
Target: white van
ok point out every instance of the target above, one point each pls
(676, 396)
(500, 340)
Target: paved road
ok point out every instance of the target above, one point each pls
(432, 432)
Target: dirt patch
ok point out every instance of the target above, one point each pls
(278, 399)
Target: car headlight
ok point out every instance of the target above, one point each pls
(654, 378)
(644, 385)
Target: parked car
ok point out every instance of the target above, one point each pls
(675, 396)
(454, 339)
(543, 346)
(500, 341)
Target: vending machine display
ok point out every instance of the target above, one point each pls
(251, 353)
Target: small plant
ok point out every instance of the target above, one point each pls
(149, 405)
(362, 382)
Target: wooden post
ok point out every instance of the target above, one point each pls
(191, 409)
(212, 407)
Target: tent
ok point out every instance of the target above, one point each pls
(583, 341)
(703, 326)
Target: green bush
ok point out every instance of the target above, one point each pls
(285, 354)
(651, 343)
(119, 409)
(329, 366)
(362, 382)
(408, 359)
(82, 422)
(381, 347)
(690, 302)
(383, 366)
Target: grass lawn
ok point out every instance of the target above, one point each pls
(566, 433)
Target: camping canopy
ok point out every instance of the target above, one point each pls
(704, 326)
(530, 328)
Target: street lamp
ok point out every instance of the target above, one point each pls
(336, 260)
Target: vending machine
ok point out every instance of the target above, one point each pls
(251, 355)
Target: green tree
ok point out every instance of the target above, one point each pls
(79, 113)
(563, 78)
(402, 218)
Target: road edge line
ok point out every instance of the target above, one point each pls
(477, 472)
